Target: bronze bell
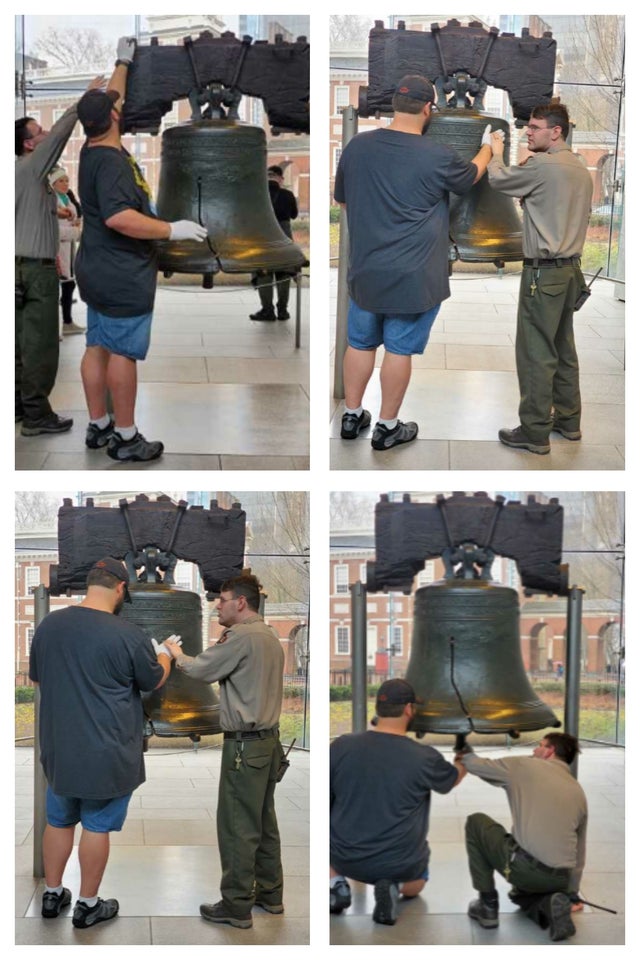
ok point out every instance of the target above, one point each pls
(466, 662)
(215, 173)
(182, 707)
(484, 225)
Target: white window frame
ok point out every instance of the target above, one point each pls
(340, 92)
(29, 583)
(336, 159)
(398, 639)
(345, 630)
(340, 586)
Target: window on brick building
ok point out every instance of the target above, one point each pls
(342, 639)
(341, 578)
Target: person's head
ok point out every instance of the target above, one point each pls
(395, 698)
(29, 134)
(414, 96)
(558, 746)
(97, 112)
(239, 599)
(548, 126)
(109, 578)
(59, 180)
(276, 174)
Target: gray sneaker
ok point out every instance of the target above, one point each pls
(137, 448)
(384, 439)
(97, 437)
(386, 895)
(84, 916)
(53, 903)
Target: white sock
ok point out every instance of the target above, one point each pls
(389, 424)
(335, 880)
(127, 433)
(90, 901)
(57, 890)
(102, 422)
(356, 412)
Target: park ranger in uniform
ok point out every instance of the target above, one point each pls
(248, 662)
(555, 189)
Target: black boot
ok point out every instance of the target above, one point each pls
(485, 910)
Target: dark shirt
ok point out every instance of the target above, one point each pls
(91, 667)
(396, 189)
(116, 275)
(285, 206)
(380, 800)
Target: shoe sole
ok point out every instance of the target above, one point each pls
(567, 436)
(530, 447)
(561, 926)
(36, 431)
(87, 926)
(232, 921)
(135, 459)
(269, 908)
(484, 923)
(385, 909)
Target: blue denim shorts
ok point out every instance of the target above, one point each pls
(403, 333)
(98, 816)
(124, 336)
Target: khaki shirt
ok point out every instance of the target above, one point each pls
(548, 806)
(248, 662)
(37, 232)
(556, 190)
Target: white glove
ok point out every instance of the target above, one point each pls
(162, 648)
(126, 49)
(187, 230)
(486, 136)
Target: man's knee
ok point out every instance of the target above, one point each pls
(477, 823)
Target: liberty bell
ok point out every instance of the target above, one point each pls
(214, 171)
(484, 225)
(182, 706)
(465, 663)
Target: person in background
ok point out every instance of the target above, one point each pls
(285, 207)
(69, 215)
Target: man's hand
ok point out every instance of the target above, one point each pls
(187, 230)
(497, 143)
(126, 49)
(98, 83)
(486, 136)
(174, 645)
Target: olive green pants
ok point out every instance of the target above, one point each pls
(248, 836)
(491, 848)
(36, 338)
(546, 358)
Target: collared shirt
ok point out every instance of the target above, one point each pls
(37, 233)
(548, 806)
(556, 190)
(248, 662)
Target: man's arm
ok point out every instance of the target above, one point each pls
(481, 161)
(462, 771)
(215, 663)
(48, 152)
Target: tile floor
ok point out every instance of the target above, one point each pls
(221, 391)
(464, 388)
(165, 861)
(438, 915)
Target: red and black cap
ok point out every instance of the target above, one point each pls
(416, 87)
(396, 691)
(117, 569)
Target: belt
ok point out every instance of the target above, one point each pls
(557, 262)
(519, 854)
(46, 261)
(251, 734)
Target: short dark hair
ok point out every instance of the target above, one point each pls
(402, 104)
(102, 578)
(245, 585)
(390, 709)
(22, 134)
(566, 747)
(555, 114)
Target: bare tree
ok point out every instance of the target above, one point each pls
(279, 549)
(593, 56)
(35, 509)
(76, 49)
(349, 30)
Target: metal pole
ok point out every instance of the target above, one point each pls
(297, 278)
(349, 130)
(572, 667)
(40, 610)
(358, 657)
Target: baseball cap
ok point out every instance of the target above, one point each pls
(416, 87)
(396, 691)
(117, 569)
(94, 110)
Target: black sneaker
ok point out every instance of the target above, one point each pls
(384, 439)
(339, 897)
(263, 315)
(53, 903)
(557, 910)
(283, 314)
(567, 434)
(218, 913)
(52, 423)
(135, 449)
(97, 437)
(386, 895)
(352, 425)
(485, 912)
(85, 916)
(516, 438)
